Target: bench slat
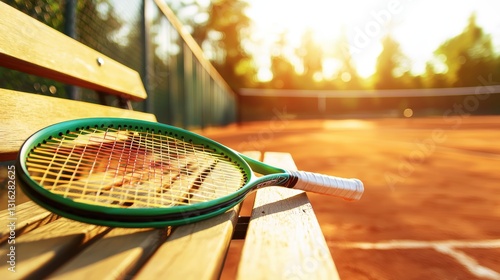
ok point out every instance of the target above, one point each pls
(68, 60)
(284, 240)
(42, 250)
(200, 245)
(27, 216)
(116, 256)
(22, 114)
(194, 251)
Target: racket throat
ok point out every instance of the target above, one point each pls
(291, 182)
(282, 180)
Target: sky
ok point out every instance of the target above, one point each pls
(420, 26)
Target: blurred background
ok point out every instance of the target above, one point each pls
(235, 61)
(401, 94)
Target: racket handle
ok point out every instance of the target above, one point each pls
(349, 189)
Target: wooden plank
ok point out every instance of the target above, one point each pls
(22, 114)
(283, 160)
(195, 251)
(115, 256)
(25, 44)
(284, 240)
(42, 250)
(26, 217)
(234, 251)
(247, 204)
(253, 154)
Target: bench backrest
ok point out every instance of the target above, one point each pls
(32, 47)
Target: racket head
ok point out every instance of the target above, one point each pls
(124, 215)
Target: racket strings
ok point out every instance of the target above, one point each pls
(126, 168)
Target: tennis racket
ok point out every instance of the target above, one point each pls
(132, 173)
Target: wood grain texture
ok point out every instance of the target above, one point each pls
(284, 240)
(115, 256)
(30, 46)
(194, 251)
(42, 250)
(22, 114)
(27, 216)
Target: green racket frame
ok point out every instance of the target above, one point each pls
(142, 217)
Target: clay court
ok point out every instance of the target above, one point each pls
(431, 204)
(430, 208)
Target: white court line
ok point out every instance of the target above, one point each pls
(410, 244)
(445, 247)
(469, 263)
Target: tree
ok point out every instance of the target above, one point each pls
(284, 75)
(467, 56)
(391, 66)
(224, 31)
(311, 56)
(347, 75)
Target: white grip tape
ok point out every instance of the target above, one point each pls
(350, 189)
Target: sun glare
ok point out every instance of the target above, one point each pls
(289, 20)
(357, 27)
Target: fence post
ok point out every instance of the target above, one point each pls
(70, 30)
(146, 51)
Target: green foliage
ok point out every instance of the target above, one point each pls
(284, 73)
(458, 62)
(228, 18)
(467, 56)
(390, 66)
(49, 12)
(464, 58)
(220, 27)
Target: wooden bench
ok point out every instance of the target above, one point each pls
(282, 240)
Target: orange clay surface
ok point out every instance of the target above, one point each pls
(429, 183)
